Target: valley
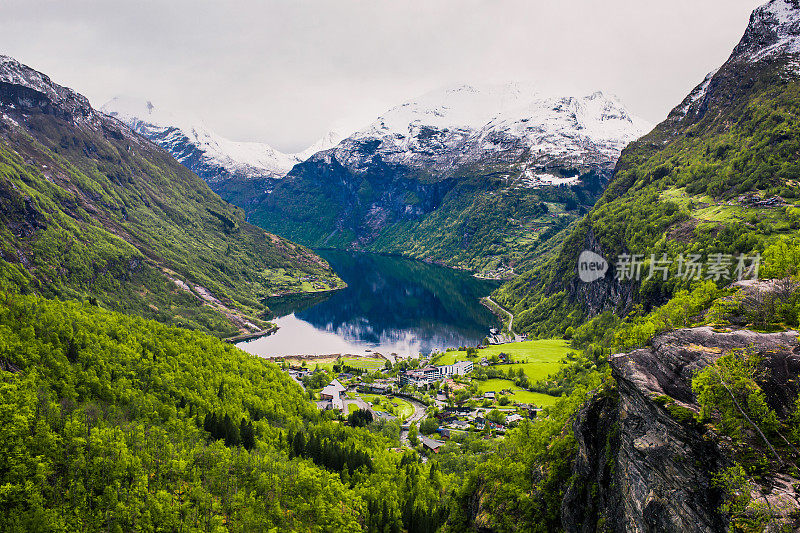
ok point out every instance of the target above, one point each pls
(389, 331)
(472, 177)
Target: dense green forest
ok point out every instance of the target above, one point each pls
(110, 422)
(490, 230)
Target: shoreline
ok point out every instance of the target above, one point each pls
(236, 339)
(304, 293)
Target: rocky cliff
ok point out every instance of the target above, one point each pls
(645, 464)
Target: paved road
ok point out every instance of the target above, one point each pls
(517, 338)
(419, 414)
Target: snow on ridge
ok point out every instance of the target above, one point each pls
(458, 107)
(774, 29)
(467, 121)
(784, 11)
(596, 117)
(15, 73)
(175, 132)
(326, 142)
(697, 94)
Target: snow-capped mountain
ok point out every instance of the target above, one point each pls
(457, 176)
(211, 156)
(41, 91)
(445, 129)
(774, 30)
(326, 142)
(772, 36)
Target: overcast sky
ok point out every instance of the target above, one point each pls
(286, 71)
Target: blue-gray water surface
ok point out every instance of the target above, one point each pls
(391, 306)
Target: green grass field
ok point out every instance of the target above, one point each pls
(539, 358)
(495, 385)
(546, 351)
(517, 394)
(367, 363)
(311, 365)
(399, 408)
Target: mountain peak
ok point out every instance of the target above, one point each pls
(133, 111)
(445, 128)
(213, 157)
(773, 33)
(53, 99)
(774, 30)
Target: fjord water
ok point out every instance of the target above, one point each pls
(391, 306)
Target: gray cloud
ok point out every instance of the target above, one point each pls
(285, 71)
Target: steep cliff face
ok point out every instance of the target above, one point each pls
(645, 464)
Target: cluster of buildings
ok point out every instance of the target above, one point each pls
(430, 374)
(451, 420)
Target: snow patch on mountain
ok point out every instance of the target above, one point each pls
(513, 123)
(774, 30)
(535, 180)
(210, 155)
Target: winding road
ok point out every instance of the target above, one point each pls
(517, 338)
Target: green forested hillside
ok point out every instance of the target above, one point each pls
(90, 209)
(489, 231)
(114, 423)
(718, 178)
(483, 218)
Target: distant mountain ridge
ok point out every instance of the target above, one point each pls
(225, 165)
(445, 129)
(465, 176)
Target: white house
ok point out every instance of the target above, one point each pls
(338, 386)
(329, 393)
(331, 396)
(460, 368)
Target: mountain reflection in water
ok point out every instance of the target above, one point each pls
(391, 305)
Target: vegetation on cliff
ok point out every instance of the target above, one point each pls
(91, 210)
